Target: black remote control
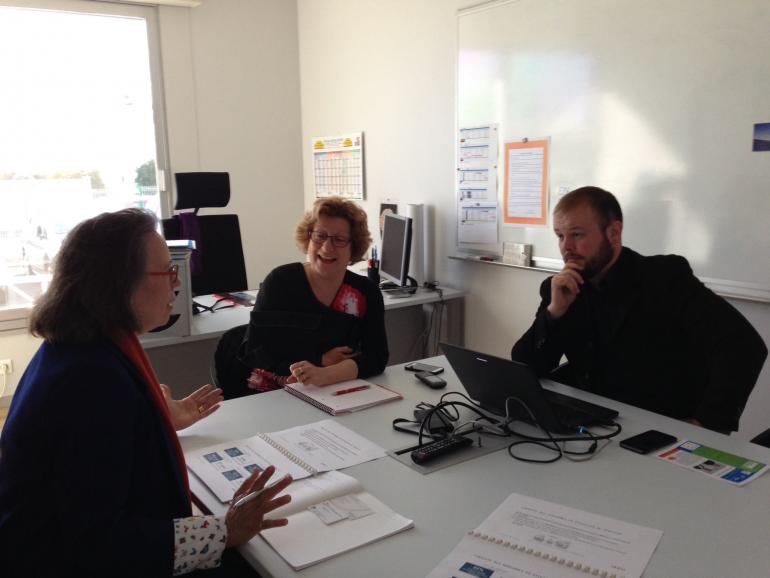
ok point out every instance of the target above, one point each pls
(439, 448)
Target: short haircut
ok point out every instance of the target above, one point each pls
(360, 238)
(603, 203)
(96, 271)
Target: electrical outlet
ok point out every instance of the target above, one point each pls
(6, 366)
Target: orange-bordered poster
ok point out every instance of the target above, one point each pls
(526, 183)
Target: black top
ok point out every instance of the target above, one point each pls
(289, 324)
(652, 335)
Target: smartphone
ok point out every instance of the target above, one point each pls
(647, 442)
(417, 366)
(431, 380)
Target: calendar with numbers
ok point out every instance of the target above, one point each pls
(338, 166)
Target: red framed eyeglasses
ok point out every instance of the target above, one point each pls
(172, 273)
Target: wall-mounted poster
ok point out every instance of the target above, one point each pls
(526, 182)
(338, 166)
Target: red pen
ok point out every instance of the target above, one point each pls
(351, 390)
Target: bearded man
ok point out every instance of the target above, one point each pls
(641, 330)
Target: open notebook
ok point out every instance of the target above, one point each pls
(301, 451)
(343, 397)
(330, 514)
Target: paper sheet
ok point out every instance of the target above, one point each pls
(529, 537)
(526, 182)
(477, 205)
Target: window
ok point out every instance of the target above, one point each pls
(80, 127)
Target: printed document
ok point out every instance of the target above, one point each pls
(530, 537)
(714, 463)
(330, 514)
(301, 451)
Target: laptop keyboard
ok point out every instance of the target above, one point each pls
(573, 411)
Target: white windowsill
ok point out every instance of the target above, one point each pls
(12, 318)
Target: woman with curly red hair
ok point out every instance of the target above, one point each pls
(316, 322)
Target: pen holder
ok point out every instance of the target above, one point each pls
(373, 273)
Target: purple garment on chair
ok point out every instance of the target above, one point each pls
(190, 229)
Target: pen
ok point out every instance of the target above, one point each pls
(351, 390)
(255, 494)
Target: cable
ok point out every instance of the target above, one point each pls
(440, 307)
(423, 337)
(592, 450)
(448, 412)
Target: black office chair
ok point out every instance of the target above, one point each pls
(762, 439)
(217, 264)
(228, 371)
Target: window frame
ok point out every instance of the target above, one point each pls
(14, 318)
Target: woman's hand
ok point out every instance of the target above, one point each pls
(306, 372)
(199, 404)
(247, 520)
(337, 354)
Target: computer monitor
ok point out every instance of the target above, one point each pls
(395, 249)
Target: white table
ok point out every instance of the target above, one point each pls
(183, 362)
(711, 529)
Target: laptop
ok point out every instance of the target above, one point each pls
(490, 381)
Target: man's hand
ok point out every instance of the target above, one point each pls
(565, 287)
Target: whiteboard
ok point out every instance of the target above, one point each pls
(654, 101)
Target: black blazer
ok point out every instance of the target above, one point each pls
(652, 335)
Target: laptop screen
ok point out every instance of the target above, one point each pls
(511, 388)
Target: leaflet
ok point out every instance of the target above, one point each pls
(527, 537)
(717, 464)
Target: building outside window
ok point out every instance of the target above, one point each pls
(80, 125)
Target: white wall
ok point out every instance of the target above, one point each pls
(231, 83)
(388, 68)
(232, 104)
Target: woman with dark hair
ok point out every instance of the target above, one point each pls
(317, 322)
(92, 476)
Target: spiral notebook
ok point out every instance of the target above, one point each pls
(344, 397)
(529, 537)
(301, 451)
(328, 515)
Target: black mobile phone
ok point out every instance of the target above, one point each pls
(431, 380)
(417, 366)
(647, 442)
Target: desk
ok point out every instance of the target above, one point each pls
(711, 530)
(184, 362)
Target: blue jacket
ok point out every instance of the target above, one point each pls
(89, 480)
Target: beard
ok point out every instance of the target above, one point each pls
(595, 265)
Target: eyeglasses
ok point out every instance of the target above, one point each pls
(319, 238)
(172, 273)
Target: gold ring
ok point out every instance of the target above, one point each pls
(201, 408)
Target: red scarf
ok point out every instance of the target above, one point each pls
(130, 346)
